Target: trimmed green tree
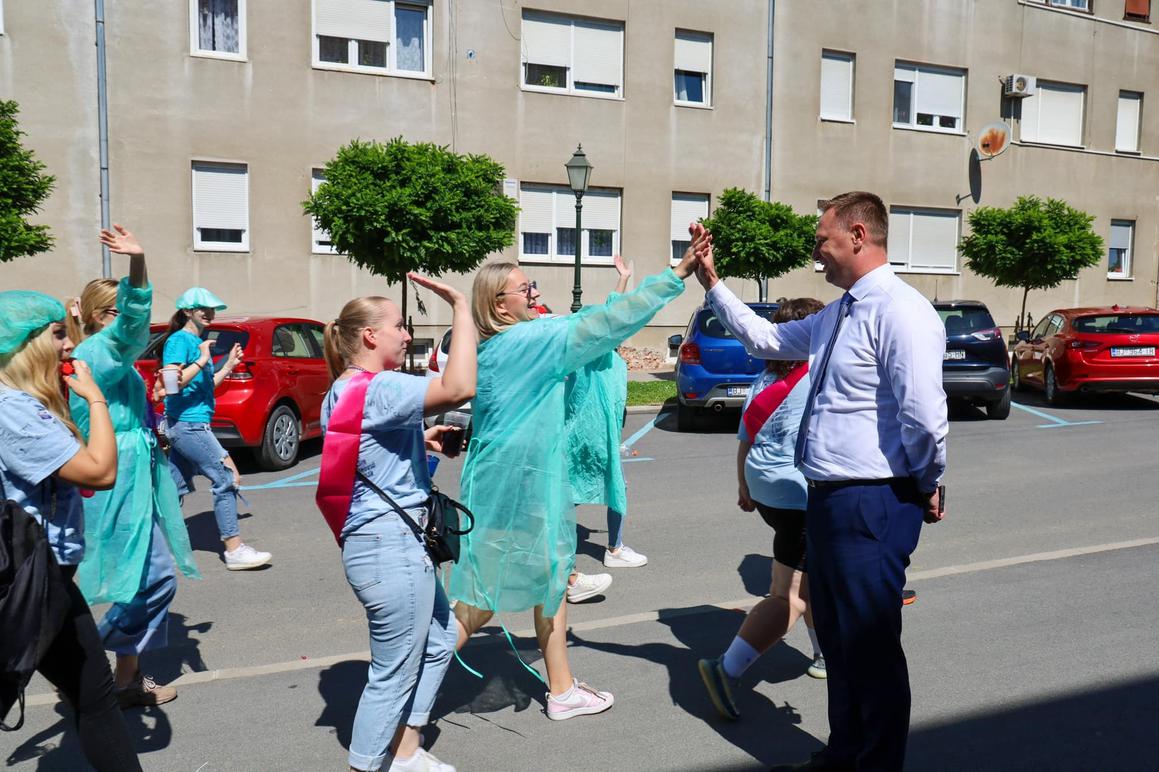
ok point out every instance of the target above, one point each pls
(23, 188)
(398, 207)
(753, 238)
(1034, 244)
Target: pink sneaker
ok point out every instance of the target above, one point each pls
(579, 700)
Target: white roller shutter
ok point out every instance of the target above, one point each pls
(221, 196)
(1127, 127)
(546, 40)
(940, 92)
(1054, 114)
(1121, 234)
(597, 52)
(687, 208)
(836, 85)
(601, 210)
(354, 19)
(899, 236)
(535, 205)
(321, 239)
(905, 73)
(694, 52)
(934, 240)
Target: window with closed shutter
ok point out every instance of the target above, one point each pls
(1054, 114)
(1127, 123)
(929, 98)
(836, 86)
(1138, 10)
(220, 207)
(924, 240)
(687, 208)
(578, 56)
(381, 36)
(1119, 249)
(692, 60)
(547, 223)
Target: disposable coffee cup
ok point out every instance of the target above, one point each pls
(169, 377)
(453, 438)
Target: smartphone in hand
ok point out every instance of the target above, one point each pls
(941, 499)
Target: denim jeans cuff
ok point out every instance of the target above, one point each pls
(368, 763)
(418, 720)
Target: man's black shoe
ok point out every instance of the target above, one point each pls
(819, 762)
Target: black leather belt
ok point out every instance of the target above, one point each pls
(831, 484)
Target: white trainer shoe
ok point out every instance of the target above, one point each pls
(624, 557)
(579, 700)
(245, 557)
(588, 586)
(421, 761)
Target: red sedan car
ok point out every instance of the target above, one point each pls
(1080, 350)
(273, 398)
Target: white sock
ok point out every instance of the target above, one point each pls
(813, 640)
(738, 657)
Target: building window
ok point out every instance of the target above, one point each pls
(1054, 114)
(573, 56)
(929, 98)
(1137, 10)
(1127, 126)
(388, 37)
(547, 224)
(217, 28)
(924, 240)
(1119, 249)
(686, 208)
(693, 68)
(1078, 5)
(320, 243)
(221, 220)
(836, 86)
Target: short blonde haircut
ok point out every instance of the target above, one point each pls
(344, 335)
(97, 295)
(489, 282)
(34, 368)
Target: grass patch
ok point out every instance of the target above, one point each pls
(650, 392)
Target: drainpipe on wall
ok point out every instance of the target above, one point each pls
(103, 133)
(763, 283)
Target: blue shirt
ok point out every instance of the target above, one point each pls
(34, 444)
(391, 452)
(768, 469)
(881, 410)
(195, 402)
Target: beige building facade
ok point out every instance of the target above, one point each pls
(221, 113)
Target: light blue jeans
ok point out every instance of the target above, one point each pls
(194, 450)
(412, 634)
(141, 624)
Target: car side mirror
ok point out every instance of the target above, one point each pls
(1022, 336)
(674, 341)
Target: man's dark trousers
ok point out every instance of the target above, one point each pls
(859, 541)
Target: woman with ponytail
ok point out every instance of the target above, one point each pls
(43, 461)
(135, 532)
(374, 480)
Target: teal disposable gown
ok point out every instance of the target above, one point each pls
(119, 522)
(515, 478)
(595, 396)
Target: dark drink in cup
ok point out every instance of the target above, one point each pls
(453, 437)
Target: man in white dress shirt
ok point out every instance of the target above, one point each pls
(872, 447)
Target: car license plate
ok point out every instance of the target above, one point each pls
(737, 391)
(954, 354)
(1134, 351)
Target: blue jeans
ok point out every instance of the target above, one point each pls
(141, 624)
(194, 450)
(412, 634)
(615, 529)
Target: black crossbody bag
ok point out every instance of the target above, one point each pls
(441, 536)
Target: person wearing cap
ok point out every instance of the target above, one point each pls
(135, 533)
(194, 449)
(44, 460)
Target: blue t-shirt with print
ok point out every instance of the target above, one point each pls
(769, 470)
(195, 402)
(391, 451)
(34, 444)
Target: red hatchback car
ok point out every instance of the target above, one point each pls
(273, 398)
(1080, 350)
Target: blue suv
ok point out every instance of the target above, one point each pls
(713, 371)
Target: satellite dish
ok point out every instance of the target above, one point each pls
(993, 139)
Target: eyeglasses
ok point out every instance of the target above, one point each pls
(110, 311)
(522, 290)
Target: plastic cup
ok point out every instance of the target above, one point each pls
(453, 438)
(169, 377)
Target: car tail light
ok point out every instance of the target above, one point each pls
(689, 353)
(990, 334)
(433, 362)
(1085, 345)
(241, 372)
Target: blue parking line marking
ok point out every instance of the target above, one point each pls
(639, 435)
(285, 482)
(1055, 421)
(634, 460)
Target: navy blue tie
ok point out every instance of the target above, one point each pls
(818, 377)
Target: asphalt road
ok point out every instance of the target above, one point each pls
(1032, 644)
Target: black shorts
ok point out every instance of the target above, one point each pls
(789, 535)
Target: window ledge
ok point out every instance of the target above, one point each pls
(929, 130)
(925, 271)
(234, 250)
(571, 93)
(1128, 152)
(564, 262)
(827, 119)
(1051, 145)
(218, 55)
(1118, 277)
(696, 105)
(377, 71)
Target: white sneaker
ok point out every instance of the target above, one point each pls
(422, 761)
(588, 586)
(579, 700)
(624, 557)
(245, 557)
(817, 669)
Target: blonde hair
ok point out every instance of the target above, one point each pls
(97, 295)
(344, 334)
(489, 282)
(34, 368)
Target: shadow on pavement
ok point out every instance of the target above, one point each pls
(203, 533)
(706, 422)
(585, 544)
(1121, 402)
(756, 572)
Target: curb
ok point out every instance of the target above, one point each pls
(644, 409)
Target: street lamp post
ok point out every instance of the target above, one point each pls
(579, 171)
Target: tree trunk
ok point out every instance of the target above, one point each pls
(1022, 313)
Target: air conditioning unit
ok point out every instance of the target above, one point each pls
(1019, 85)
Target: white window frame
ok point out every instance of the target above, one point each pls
(570, 89)
(194, 38)
(907, 266)
(918, 69)
(200, 245)
(1128, 257)
(316, 247)
(678, 228)
(1035, 101)
(701, 37)
(851, 60)
(1073, 5)
(563, 192)
(391, 68)
(1125, 99)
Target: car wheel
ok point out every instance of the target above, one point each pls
(1016, 376)
(1050, 386)
(281, 439)
(1000, 410)
(685, 417)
